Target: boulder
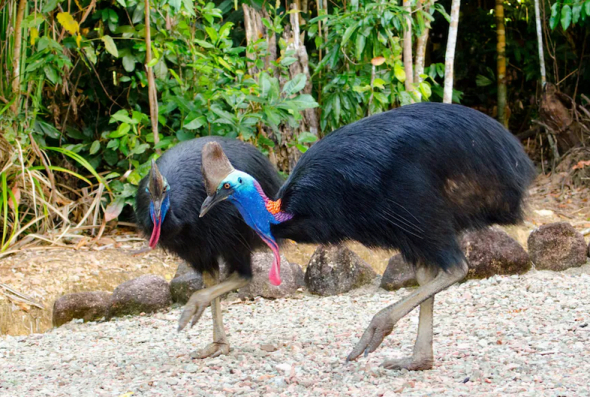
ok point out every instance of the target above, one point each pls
(89, 306)
(492, 251)
(557, 246)
(291, 278)
(336, 269)
(185, 282)
(145, 294)
(398, 274)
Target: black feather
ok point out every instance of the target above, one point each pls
(223, 232)
(410, 179)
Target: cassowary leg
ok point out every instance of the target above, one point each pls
(220, 344)
(423, 356)
(383, 322)
(199, 301)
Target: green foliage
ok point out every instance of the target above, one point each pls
(569, 13)
(366, 32)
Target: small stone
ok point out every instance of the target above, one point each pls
(492, 252)
(147, 294)
(269, 348)
(89, 306)
(557, 246)
(336, 269)
(191, 368)
(398, 274)
(186, 282)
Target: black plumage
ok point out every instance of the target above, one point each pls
(223, 234)
(410, 179)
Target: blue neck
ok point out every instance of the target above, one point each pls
(253, 209)
(164, 207)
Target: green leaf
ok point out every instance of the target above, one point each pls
(183, 135)
(110, 46)
(129, 63)
(204, 44)
(302, 102)
(123, 117)
(424, 88)
(566, 17)
(212, 33)
(306, 137)
(119, 132)
(160, 69)
(360, 46)
(482, 81)
(439, 7)
(288, 61)
(587, 8)
(113, 144)
(175, 4)
(95, 147)
(399, 72)
(262, 140)
(554, 19)
(122, 2)
(379, 83)
(188, 5)
(51, 74)
(301, 148)
(348, 33)
(193, 121)
(576, 12)
(50, 6)
(295, 85)
(265, 84)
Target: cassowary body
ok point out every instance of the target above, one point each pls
(410, 179)
(167, 205)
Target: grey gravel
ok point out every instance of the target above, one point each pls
(506, 335)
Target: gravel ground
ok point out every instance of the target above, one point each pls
(525, 335)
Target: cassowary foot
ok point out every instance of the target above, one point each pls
(194, 309)
(213, 349)
(409, 363)
(381, 325)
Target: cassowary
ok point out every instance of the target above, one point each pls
(411, 179)
(167, 209)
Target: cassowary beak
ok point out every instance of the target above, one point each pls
(212, 200)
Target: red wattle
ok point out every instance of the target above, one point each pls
(274, 275)
(155, 235)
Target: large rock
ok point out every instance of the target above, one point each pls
(291, 278)
(146, 294)
(557, 246)
(398, 274)
(89, 306)
(336, 269)
(186, 281)
(493, 251)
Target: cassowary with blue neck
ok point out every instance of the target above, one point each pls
(167, 209)
(412, 179)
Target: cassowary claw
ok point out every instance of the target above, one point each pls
(214, 349)
(381, 325)
(193, 310)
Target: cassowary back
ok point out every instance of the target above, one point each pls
(411, 178)
(200, 241)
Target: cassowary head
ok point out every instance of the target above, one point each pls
(158, 189)
(223, 182)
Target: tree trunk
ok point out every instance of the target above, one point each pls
(408, 48)
(501, 49)
(450, 54)
(288, 156)
(540, 43)
(256, 30)
(421, 48)
(152, 93)
(18, 36)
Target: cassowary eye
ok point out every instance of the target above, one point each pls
(226, 185)
(240, 180)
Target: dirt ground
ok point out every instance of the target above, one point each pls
(46, 273)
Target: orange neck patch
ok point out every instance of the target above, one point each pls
(274, 207)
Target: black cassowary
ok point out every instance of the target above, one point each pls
(411, 179)
(167, 209)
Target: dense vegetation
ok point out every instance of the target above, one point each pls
(88, 94)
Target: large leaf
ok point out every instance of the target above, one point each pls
(360, 46)
(193, 121)
(296, 84)
(50, 6)
(399, 72)
(348, 33)
(566, 17)
(114, 209)
(110, 45)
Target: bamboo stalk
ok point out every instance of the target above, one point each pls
(16, 58)
(152, 93)
(540, 44)
(501, 63)
(450, 53)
